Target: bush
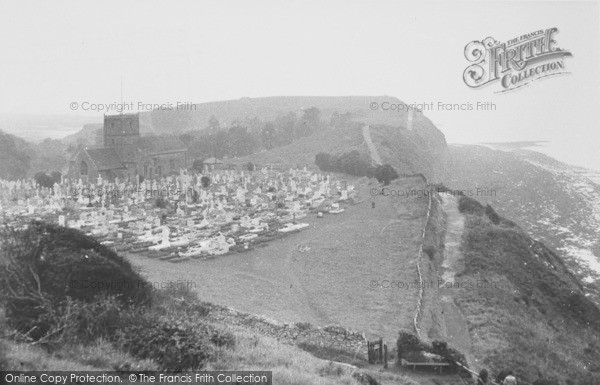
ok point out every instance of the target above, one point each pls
(45, 264)
(468, 205)
(385, 174)
(352, 163)
(43, 179)
(79, 321)
(173, 347)
(492, 215)
(410, 347)
(407, 343)
(198, 165)
(365, 379)
(160, 203)
(323, 161)
(205, 181)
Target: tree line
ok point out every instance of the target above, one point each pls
(251, 135)
(355, 163)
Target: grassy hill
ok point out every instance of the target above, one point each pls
(525, 310)
(197, 116)
(89, 135)
(20, 159)
(34, 127)
(15, 156)
(555, 203)
(421, 150)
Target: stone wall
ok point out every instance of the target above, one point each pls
(331, 336)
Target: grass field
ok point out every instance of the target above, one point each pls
(328, 284)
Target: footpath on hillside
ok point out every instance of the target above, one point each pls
(366, 130)
(454, 323)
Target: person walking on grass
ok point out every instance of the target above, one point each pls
(483, 377)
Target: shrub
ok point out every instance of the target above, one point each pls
(407, 343)
(45, 264)
(385, 174)
(73, 320)
(410, 347)
(303, 325)
(468, 205)
(43, 179)
(198, 165)
(172, 346)
(160, 203)
(365, 379)
(491, 213)
(352, 163)
(205, 181)
(323, 161)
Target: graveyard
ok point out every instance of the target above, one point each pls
(177, 218)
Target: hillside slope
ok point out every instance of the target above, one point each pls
(525, 310)
(420, 150)
(15, 156)
(556, 203)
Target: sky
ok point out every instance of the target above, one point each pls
(60, 52)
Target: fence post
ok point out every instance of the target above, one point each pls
(381, 350)
(385, 356)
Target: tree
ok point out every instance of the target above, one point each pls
(160, 203)
(323, 161)
(205, 181)
(250, 166)
(239, 141)
(385, 174)
(198, 165)
(56, 176)
(285, 129)
(43, 179)
(310, 122)
(338, 120)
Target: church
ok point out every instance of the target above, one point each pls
(125, 154)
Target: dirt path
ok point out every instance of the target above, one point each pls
(455, 325)
(374, 154)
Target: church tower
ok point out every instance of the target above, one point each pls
(122, 132)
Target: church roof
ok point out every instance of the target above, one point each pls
(105, 158)
(159, 144)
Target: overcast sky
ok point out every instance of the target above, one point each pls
(55, 53)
